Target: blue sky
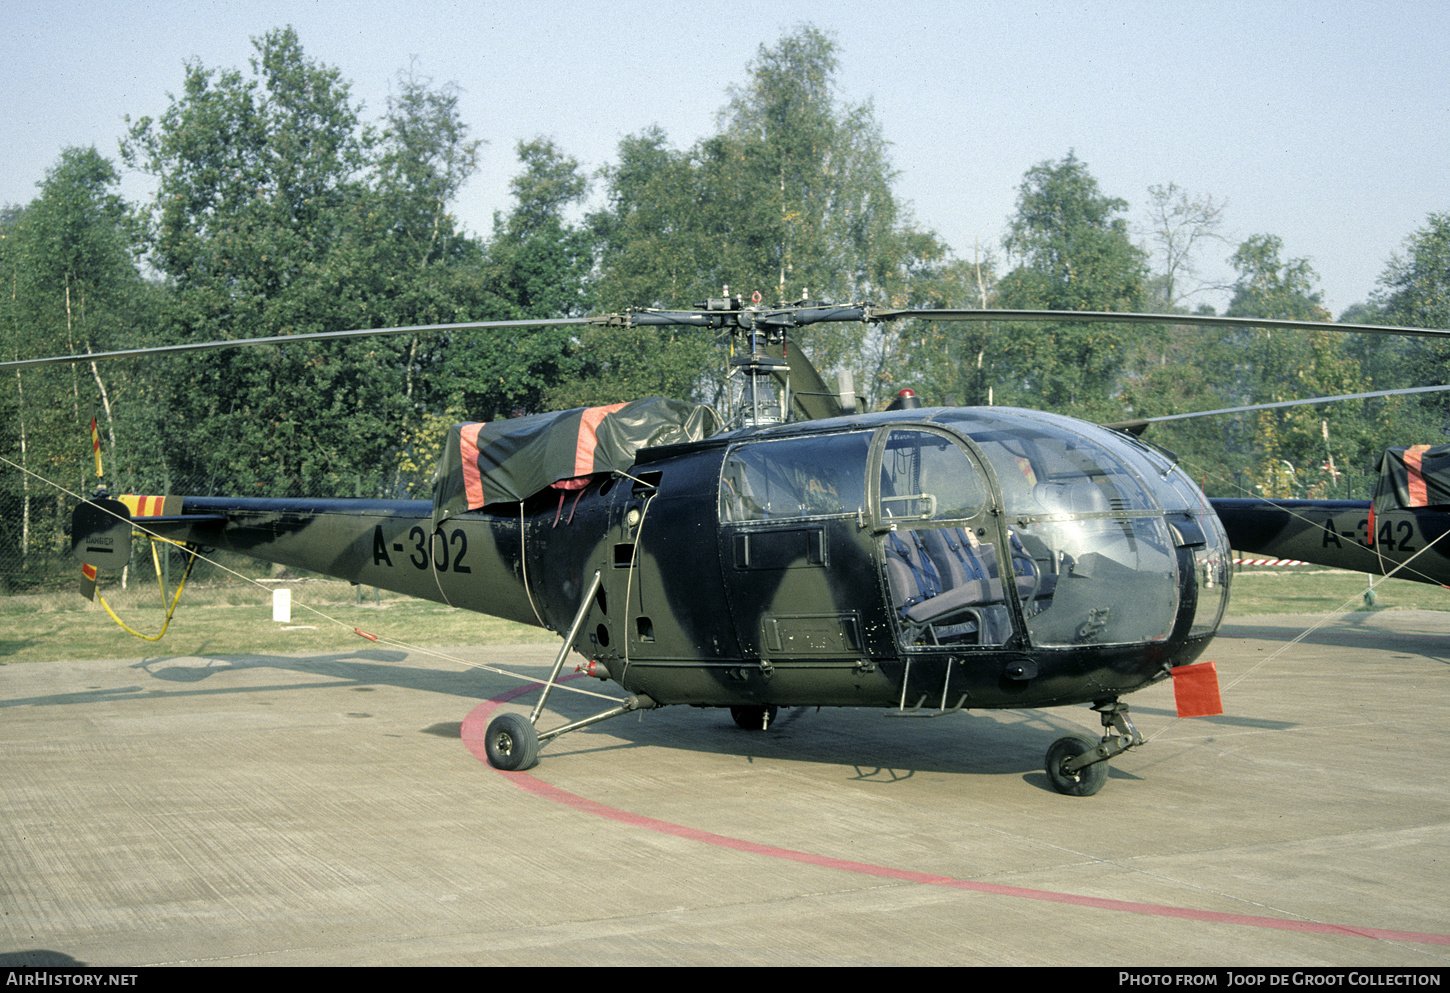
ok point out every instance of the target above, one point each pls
(1326, 124)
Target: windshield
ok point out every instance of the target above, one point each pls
(1103, 562)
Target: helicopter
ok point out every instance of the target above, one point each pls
(1397, 532)
(805, 552)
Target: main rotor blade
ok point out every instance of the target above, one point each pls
(800, 315)
(277, 339)
(778, 318)
(1145, 421)
(1110, 317)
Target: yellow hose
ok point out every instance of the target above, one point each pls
(160, 582)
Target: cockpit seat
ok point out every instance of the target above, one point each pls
(948, 587)
(946, 592)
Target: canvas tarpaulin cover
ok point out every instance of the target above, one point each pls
(1413, 477)
(507, 461)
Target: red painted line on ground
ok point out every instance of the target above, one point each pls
(476, 723)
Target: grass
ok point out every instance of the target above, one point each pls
(1316, 590)
(236, 618)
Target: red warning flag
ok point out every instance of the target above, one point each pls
(1195, 690)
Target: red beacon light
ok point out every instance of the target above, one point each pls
(905, 400)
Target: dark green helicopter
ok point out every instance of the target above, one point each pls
(803, 553)
(1398, 531)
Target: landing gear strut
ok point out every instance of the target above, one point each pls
(1076, 766)
(512, 741)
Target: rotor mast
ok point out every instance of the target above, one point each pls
(757, 405)
(765, 359)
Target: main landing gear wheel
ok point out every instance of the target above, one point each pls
(1085, 781)
(512, 743)
(753, 718)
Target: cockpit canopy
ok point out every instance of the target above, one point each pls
(978, 508)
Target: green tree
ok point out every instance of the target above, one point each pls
(1264, 366)
(536, 266)
(812, 182)
(72, 285)
(278, 211)
(256, 178)
(1273, 287)
(1072, 243)
(946, 362)
(654, 236)
(1414, 289)
(404, 261)
(791, 198)
(1073, 252)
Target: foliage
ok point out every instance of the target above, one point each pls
(71, 286)
(1296, 451)
(944, 362)
(791, 198)
(1073, 244)
(278, 212)
(1074, 253)
(536, 266)
(281, 210)
(1414, 289)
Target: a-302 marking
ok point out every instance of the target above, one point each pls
(419, 553)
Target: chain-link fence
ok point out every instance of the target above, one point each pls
(35, 558)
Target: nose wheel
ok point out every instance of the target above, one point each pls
(1083, 781)
(1078, 766)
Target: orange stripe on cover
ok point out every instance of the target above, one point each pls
(1419, 496)
(588, 435)
(468, 452)
(151, 506)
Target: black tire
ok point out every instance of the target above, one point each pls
(1087, 780)
(753, 718)
(512, 743)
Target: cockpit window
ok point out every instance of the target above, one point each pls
(815, 476)
(1045, 470)
(942, 568)
(926, 477)
(1084, 519)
